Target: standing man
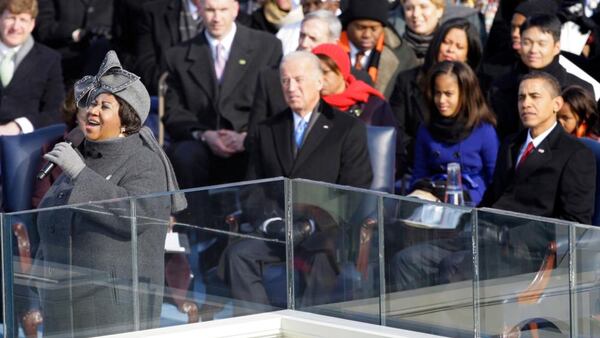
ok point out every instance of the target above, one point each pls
(30, 73)
(211, 90)
(309, 140)
(540, 48)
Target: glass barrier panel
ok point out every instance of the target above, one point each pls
(225, 254)
(586, 284)
(428, 267)
(130, 264)
(72, 270)
(523, 275)
(336, 245)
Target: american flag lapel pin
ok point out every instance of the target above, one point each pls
(541, 151)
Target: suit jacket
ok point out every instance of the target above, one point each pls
(504, 92)
(59, 18)
(195, 101)
(334, 150)
(157, 30)
(36, 89)
(557, 180)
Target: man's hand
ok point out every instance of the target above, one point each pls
(216, 144)
(11, 128)
(233, 139)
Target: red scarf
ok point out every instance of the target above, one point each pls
(356, 91)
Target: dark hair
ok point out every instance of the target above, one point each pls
(546, 23)
(583, 104)
(69, 110)
(130, 120)
(550, 80)
(472, 106)
(330, 63)
(474, 44)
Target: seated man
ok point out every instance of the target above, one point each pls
(308, 140)
(30, 73)
(541, 171)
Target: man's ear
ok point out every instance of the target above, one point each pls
(556, 49)
(557, 103)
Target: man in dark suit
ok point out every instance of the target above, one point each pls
(210, 93)
(30, 73)
(80, 30)
(541, 171)
(308, 140)
(540, 48)
(557, 179)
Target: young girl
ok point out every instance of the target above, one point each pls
(579, 115)
(459, 128)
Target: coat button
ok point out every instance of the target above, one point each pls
(456, 155)
(61, 195)
(91, 9)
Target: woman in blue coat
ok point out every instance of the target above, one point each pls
(459, 128)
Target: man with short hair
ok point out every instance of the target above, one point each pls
(290, 33)
(211, 87)
(373, 45)
(557, 177)
(30, 73)
(309, 140)
(317, 28)
(540, 48)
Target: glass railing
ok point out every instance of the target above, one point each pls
(128, 264)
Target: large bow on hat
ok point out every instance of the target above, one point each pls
(112, 78)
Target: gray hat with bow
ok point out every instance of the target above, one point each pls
(113, 79)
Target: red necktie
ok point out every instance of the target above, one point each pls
(528, 151)
(358, 60)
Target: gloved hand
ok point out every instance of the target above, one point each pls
(64, 156)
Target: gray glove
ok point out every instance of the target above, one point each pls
(64, 156)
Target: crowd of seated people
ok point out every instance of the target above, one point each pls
(259, 89)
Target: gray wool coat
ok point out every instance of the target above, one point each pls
(86, 252)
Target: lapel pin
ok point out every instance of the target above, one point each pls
(108, 177)
(325, 127)
(541, 151)
(242, 62)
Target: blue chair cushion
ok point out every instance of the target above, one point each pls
(20, 159)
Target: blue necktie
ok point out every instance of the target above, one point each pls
(299, 133)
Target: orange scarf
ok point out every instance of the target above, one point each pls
(374, 57)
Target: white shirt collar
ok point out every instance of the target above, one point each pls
(226, 41)
(298, 118)
(536, 141)
(354, 51)
(4, 48)
(193, 10)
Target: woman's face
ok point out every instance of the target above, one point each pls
(446, 95)
(422, 16)
(568, 119)
(454, 47)
(333, 82)
(102, 121)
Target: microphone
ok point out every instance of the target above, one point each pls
(73, 138)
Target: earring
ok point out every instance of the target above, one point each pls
(122, 134)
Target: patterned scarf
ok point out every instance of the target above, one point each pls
(188, 26)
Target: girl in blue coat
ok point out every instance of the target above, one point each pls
(459, 128)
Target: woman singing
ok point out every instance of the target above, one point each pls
(87, 252)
